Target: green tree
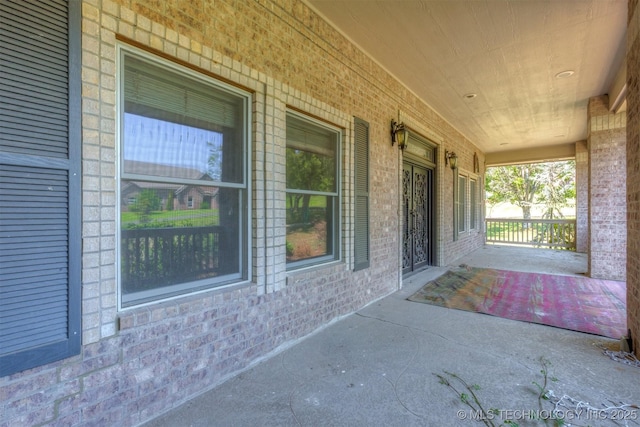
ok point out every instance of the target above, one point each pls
(558, 187)
(517, 184)
(550, 184)
(307, 171)
(214, 162)
(170, 197)
(146, 202)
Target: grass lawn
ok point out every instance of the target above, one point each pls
(184, 218)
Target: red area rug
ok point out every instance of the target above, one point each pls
(576, 303)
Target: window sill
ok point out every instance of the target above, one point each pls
(172, 301)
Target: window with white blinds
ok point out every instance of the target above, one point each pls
(312, 195)
(183, 180)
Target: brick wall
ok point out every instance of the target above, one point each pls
(633, 174)
(138, 362)
(582, 197)
(607, 201)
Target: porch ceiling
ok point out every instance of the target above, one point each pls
(507, 52)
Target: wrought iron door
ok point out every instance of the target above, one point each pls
(417, 182)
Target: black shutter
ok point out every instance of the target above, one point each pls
(361, 165)
(40, 176)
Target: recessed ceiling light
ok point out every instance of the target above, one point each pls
(469, 95)
(565, 74)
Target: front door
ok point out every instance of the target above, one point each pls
(418, 198)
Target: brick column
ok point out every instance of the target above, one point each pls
(582, 197)
(633, 173)
(607, 191)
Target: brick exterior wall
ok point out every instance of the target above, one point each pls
(607, 193)
(582, 197)
(633, 174)
(139, 362)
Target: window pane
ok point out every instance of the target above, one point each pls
(172, 234)
(310, 171)
(179, 127)
(309, 226)
(311, 156)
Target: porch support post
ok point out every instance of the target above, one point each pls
(582, 197)
(606, 142)
(633, 174)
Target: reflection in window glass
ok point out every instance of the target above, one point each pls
(182, 187)
(309, 225)
(180, 125)
(172, 234)
(156, 147)
(312, 195)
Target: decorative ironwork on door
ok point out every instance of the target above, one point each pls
(417, 182)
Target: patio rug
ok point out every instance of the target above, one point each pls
(577, 303)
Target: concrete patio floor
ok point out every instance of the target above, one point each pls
(376, 367)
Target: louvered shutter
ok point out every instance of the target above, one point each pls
(39, 182)
(456, 205)
(473, 204)
(361, 164)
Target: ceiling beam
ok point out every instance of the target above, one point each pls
(618, 91)
(532, 155)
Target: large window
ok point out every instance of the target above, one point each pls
(466, 204)
(312, 191)
(462, 203)
(183, 188)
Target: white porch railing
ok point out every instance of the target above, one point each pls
(544, 233)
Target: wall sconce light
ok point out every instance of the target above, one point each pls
(451, 159)
(399, 134)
